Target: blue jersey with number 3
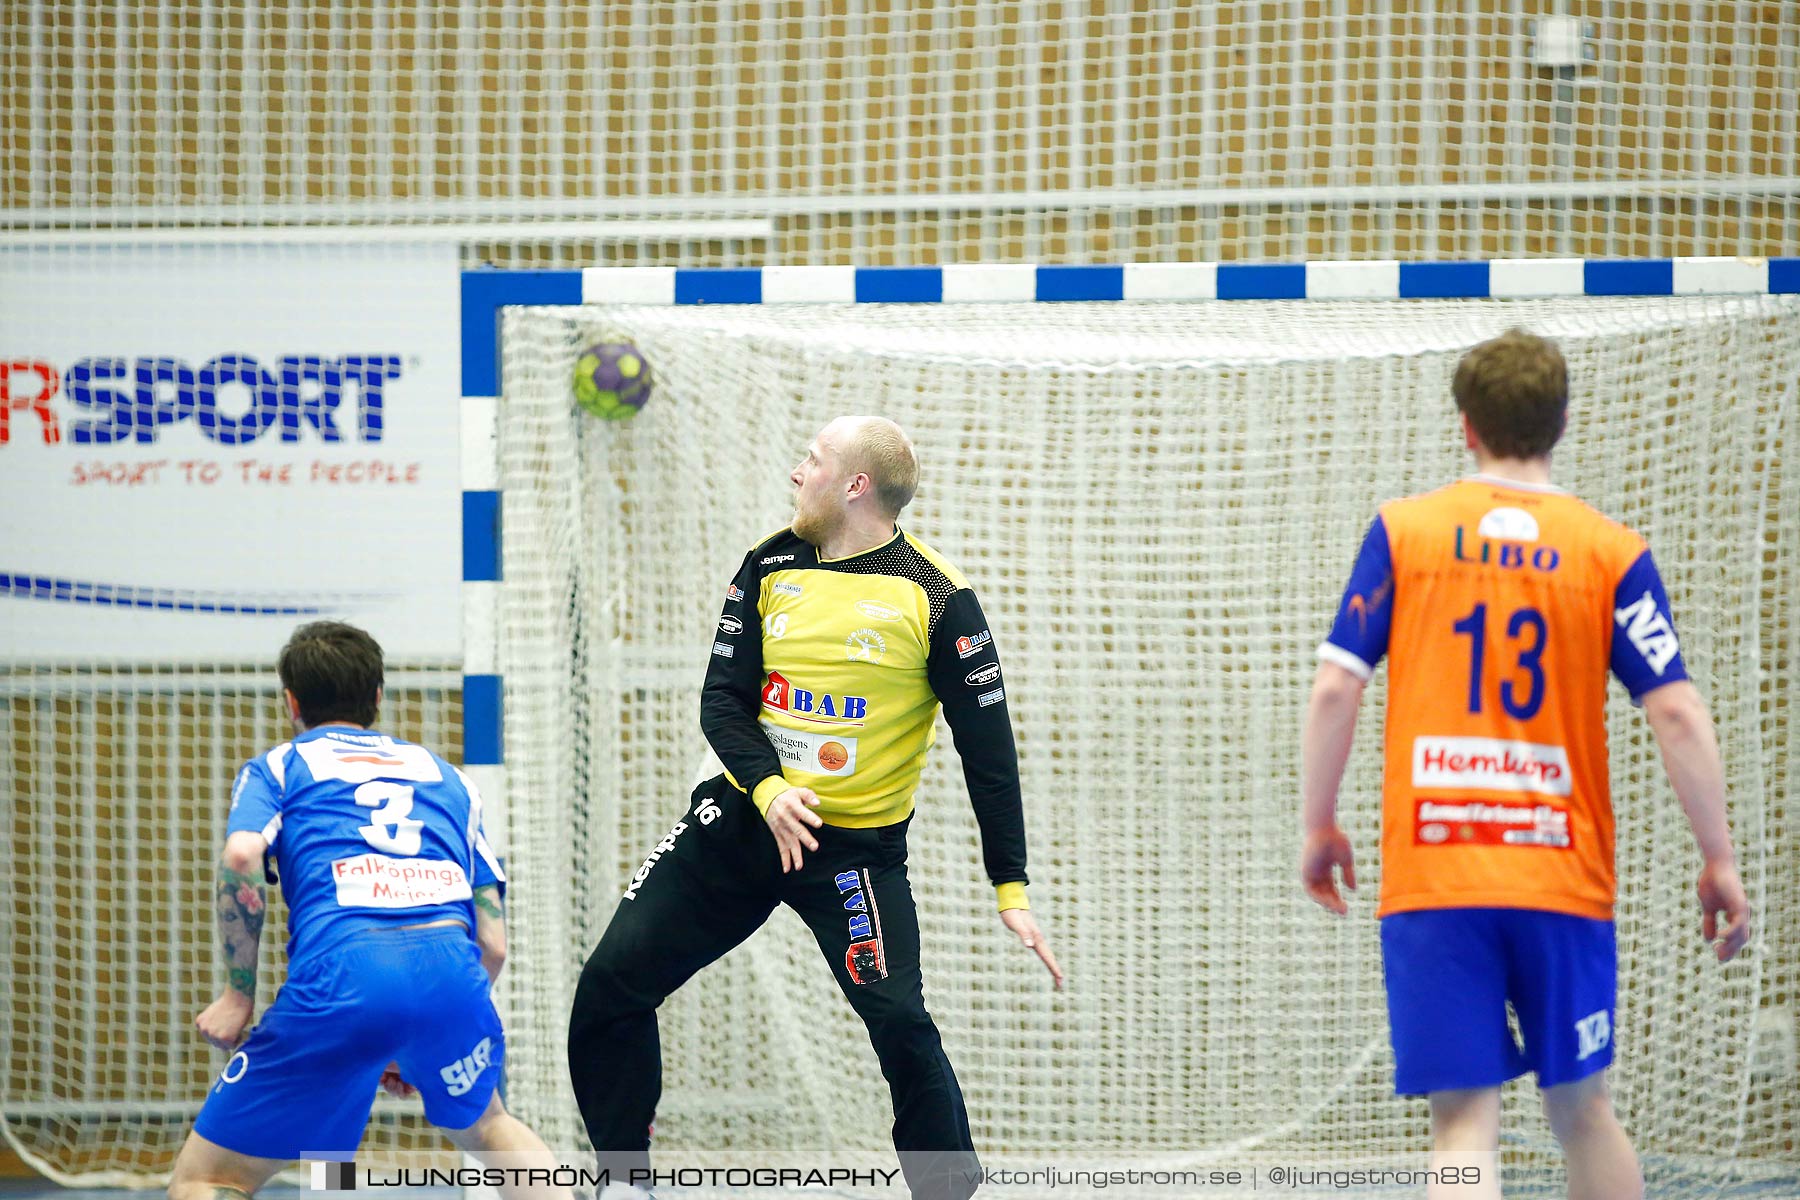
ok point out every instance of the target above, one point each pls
(369, 831)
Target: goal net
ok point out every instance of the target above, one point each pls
(1158, 505)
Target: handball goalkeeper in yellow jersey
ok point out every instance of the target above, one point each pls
(840, 638)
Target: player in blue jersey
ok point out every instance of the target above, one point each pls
(395, 933)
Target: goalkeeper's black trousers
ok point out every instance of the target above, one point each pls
(706, 887)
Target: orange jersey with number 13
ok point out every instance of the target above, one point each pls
(1502, 607)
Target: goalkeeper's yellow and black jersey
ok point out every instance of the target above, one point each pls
(828, 674)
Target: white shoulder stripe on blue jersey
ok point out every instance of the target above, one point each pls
(487, 856)
(477, 839)
(272, 830)
(277, 761)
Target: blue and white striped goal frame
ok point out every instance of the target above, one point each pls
(485, 292)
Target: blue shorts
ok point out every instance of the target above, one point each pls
(303, 1083)
(1451, 972)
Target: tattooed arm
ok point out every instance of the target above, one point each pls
(239, 903)
(490, 929)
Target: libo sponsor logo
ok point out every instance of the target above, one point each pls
(1508, 556)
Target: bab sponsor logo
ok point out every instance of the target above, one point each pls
(866, 958)
(972, 644)
(783, 697)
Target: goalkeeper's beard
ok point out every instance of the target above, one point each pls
(815, 524)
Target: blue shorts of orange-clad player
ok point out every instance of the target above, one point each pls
(1451, 973)
(303, 1083)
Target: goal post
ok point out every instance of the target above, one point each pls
(1158, 503)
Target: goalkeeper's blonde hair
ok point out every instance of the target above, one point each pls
(881, 450)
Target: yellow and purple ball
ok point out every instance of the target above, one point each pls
(612, 380)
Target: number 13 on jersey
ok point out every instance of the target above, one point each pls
(1526, 636)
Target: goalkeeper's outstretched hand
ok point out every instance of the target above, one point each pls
(1021, 922)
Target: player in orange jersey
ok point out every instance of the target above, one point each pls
(1502, 602)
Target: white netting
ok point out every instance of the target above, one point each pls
(819, 131)
(1158, 505)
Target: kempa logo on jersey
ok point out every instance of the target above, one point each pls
(1490, 764)
(777, 558)
(661, 848)
(823, 707)
(232, 399)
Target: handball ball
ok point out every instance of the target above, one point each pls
(612, 380)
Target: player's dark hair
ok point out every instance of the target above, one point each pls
(1515, 391)
(334, 671)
